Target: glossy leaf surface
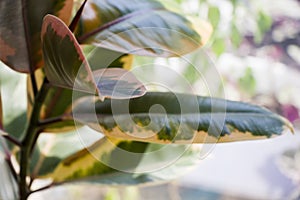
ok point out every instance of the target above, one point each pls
(66, 66)
(20, 27)
(179, 118)
(143, 27)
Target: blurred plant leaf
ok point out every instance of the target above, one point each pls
(20, 26)
(96, 163)
(182, 118)
(214, 16)
(51, 149)
(66, 66)
(8, 187)
(264, 23)
(236, 37)
(218, 46)
(1, 112)
(247, 83)
(86, 162)
(13, 86)
(143, 27)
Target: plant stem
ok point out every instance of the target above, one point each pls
(53, 120)
(42, 188)
(33, 84)
(11, 167)
(8, 160)
(29, 140)
(11, 139)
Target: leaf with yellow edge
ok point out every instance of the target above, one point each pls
(114, 161)
(53, 148)
(179, 118)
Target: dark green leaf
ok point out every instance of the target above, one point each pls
(66, 66)
(180, 118)
(20, 27)
(143, 27)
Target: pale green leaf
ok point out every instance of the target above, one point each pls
(214, 16)
(218, 46)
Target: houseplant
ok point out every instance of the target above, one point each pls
(67, 89)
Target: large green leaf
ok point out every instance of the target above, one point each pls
(66, 66)
(20, 27)
(112, 161)
(143, 27)
(179, 118)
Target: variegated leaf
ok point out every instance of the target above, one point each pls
(143, 27)
(179, 118)
(66, 66)
(110, 161)
(20, 27)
